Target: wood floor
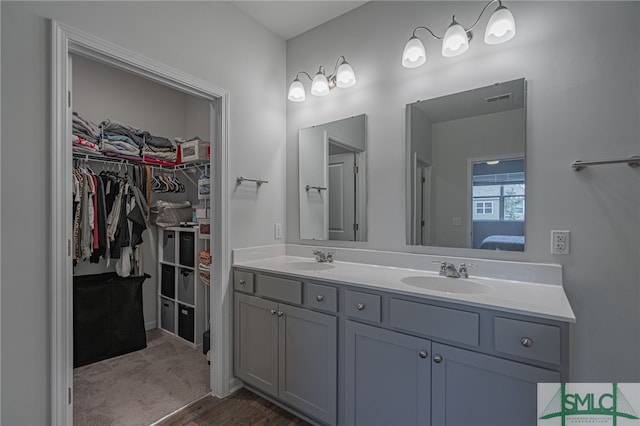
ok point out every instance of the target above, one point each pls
(243, 408)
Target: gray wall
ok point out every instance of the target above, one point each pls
(582, 103)
(213, 41)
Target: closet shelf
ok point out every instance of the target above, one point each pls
(125, 162)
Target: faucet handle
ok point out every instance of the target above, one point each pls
(462, 269)
(443, 266)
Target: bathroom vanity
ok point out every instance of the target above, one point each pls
(359, 344)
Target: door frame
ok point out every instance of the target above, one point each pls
(66, 40)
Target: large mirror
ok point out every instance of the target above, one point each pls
(332, 180)
(465, 169)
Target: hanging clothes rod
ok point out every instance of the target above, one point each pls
(259, 182)
(631, 161)
(125, 162)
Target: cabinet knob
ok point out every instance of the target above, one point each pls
(319, 298)
(242, 282)
(360, 306)
(526, 342)
(280, 313)
(423, 354)
(272, 311)
(437, 358)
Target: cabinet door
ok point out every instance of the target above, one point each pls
(475, 389)
(256, 342)
(388, 377)
(308, 362)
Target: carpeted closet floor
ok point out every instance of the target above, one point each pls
(141, 387)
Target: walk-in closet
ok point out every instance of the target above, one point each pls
(141, 245)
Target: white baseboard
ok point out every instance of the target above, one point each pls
(150, 325)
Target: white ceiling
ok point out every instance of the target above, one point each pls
(291, 18)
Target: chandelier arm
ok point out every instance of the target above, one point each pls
(481, 13)
(340, 61)
(304, 73)
(430, 32)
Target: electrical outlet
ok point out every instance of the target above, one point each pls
(277, 231)
(456, 221)
(560, 242)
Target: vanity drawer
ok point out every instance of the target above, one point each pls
(362, 305)
(527, 339)
(435, 321)
(243, 281)
(322, 297)
(279, 289)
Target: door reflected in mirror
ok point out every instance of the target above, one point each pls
(466, 169)
(332, 180)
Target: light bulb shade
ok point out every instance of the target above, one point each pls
(296, 91)
(501, 27)
(414, 54)
(455, 41)
(345, 77)
(320, 85)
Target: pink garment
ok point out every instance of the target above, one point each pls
(96, 243)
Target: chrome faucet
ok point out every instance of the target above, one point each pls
(323, 256)
(449, 270)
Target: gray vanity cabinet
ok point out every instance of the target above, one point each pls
(388, 377)
(470, 388)
(289, 353)
(256, 342)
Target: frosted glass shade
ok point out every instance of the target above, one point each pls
(296, 91)
(345, 77)
(501, 27)
(455, 41)
(414, 54)
(320, 85)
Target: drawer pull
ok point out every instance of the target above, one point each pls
(437, 358)
(242, 282)
(423, 354)
(319, 298)
(526, 342)
(280, 313)
(272, 311)
(360, 306)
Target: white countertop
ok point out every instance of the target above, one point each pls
(529, 298)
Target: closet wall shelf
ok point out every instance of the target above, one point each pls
(631, 161)
(258, 182)
(125, 162)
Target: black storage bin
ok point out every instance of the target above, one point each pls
(168, 286)
(168, 315)
(206, 341)
(187, 244)
(185, 322)
(107, 317)
(186, 290)
(169, 246)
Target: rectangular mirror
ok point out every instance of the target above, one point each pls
(332, 180)
(465, 165)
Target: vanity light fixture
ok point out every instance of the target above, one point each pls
(342, 76)
(500, 29)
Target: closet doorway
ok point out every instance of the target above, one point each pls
(69, 44)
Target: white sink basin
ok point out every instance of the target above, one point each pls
(448, 285)
(309, 266)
